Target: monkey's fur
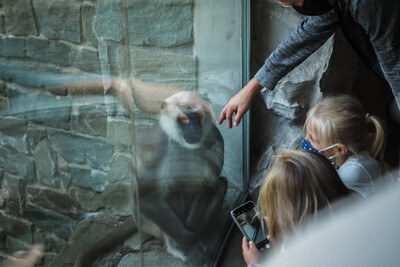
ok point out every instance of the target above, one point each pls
(178, 168)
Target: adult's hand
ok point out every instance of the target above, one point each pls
(251, 254)
(240, 103)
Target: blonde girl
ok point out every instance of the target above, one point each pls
(340, 129)
(297, 186)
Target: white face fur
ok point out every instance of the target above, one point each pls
(170, 127)
(169, 116)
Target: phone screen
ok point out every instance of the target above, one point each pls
(249, 222)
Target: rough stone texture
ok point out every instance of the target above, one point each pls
(88, 18)
(150, 258)
(3, 89)
(17, 164)
(12, 47)
(90, 117)
(80, 149)
(20, 72)
(55, 52)
(120, 169)
(86, 232)
(117, 61)
(59, 19)
(19, 18)
(13, 135)
(172, 68)
(49, 220)
(53, 200)
(17, 228)
(116, 198)
(89, 178)
(2, 29)
(87, 59)
(119, 132)
(45, 163)
(170, 24)
(109, 22)
(39, 107)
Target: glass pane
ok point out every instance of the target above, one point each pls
(97, 161)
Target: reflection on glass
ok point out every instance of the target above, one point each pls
(107, 110)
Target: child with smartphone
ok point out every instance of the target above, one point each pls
(297, 186)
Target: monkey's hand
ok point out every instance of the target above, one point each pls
(172, 106)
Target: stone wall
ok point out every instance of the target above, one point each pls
(65, 157)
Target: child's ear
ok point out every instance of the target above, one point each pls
(342, 149)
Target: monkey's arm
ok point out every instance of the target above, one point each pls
(148, 97)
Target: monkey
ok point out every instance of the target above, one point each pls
(179, 161)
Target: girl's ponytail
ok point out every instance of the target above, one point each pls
(378, 141)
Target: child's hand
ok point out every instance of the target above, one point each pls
(251, 254)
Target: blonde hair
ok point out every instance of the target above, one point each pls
(342, 119)
(298, 184)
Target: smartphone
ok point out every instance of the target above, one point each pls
(249, 222)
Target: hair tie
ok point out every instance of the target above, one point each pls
(367, 118)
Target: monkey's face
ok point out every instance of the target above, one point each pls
(192, 132)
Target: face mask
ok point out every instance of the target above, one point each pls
(313, 7)
(308, 147)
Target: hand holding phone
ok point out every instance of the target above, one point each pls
(249, 222)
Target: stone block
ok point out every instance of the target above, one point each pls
(15, 199)
(84, 197)
(90, 119)
(14, 245)
(50, 221)
(55, 52)
(12, 46)
(160, 24)
(59, 19)
(86, 59)
(116, 198)
(17, 164)
(120, 168)
(153, 258)
(13, 134)
(2, 27)
(109, 20)
(164, 67)
(3, 106)
(116, 59)
(89, 178)
(19, 18)
(88, 19)
(16, 227)
(81, 149)
(39, 107)
(3, 89)
(50, 241)
(35, 134)
(45, 161)
(53, 200)
(29, 73)
(119, 132)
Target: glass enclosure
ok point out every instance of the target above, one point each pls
(109, 150)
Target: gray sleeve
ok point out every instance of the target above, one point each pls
(311, 34)
(381, 21)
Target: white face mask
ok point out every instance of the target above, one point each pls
(327, 148)
(308, 147)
